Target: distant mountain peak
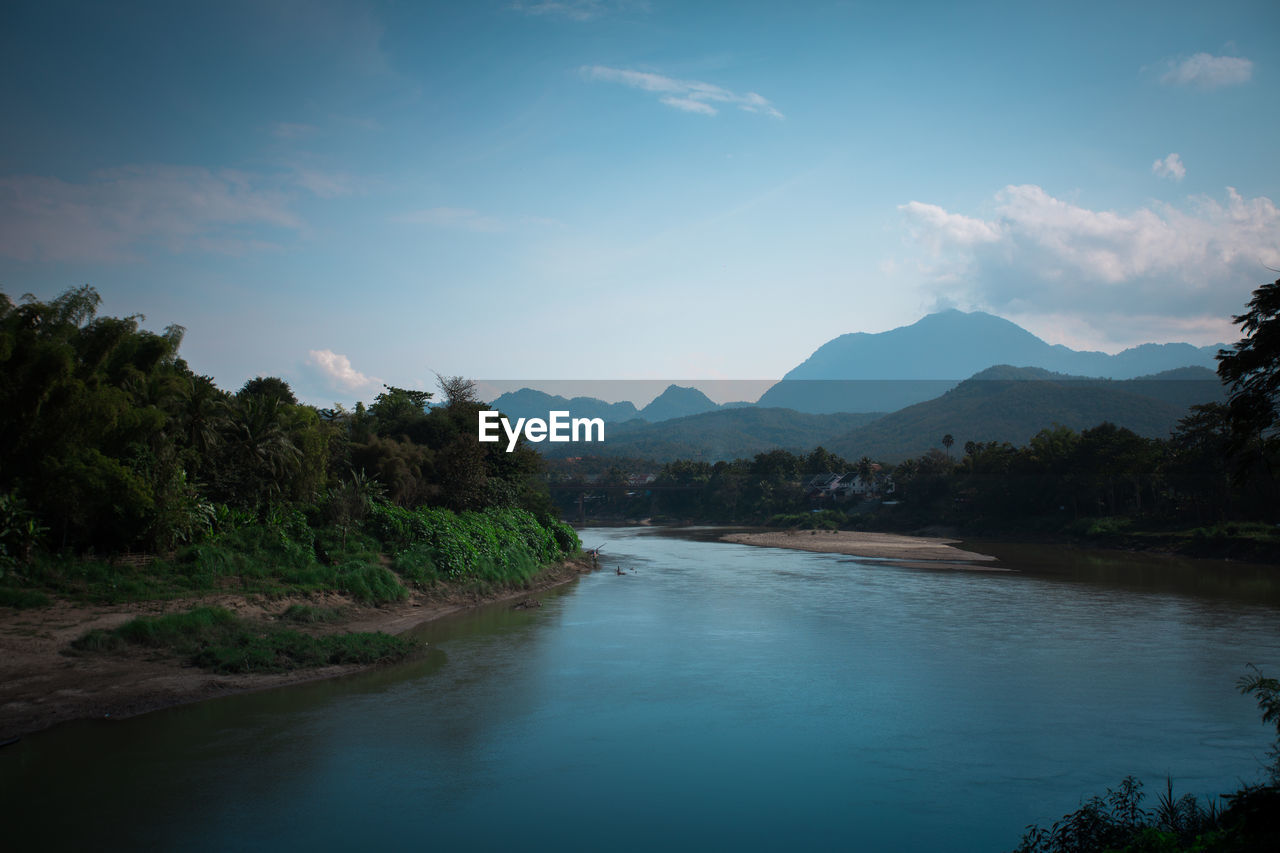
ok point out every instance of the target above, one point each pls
(944, 348)
(677, 401)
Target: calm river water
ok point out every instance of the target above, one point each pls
(715, 697)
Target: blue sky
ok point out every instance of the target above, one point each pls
(345, 194)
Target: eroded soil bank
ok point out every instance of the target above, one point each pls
(42, 682)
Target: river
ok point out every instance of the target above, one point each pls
(714, 696)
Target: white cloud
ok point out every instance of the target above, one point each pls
(292, 130)
(577, 10)
(326, 184)
(1043, 256)
(937, 227)
(336, 369)
(689, 105)
(452, 217)
(1205, 71)
(686, 95)
(120, 211)
(472, 220)
(1116, 331)
(1170, 167)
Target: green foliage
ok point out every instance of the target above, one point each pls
(270, 387)
(397, 409)
(827, 519)
(216, 639)
(415, 565)
(1104, 481)
(566, 538)
(369, 584)
(22, 599)
(286, 555)
(20, 532)
(1108, 822)
(98, 580)
(175, 628)
(1117, 821)
(1267, 692)
(109, 443)
(499, 544)
(1252, 366)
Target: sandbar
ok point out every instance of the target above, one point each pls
(930, 551)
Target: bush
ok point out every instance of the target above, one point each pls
(1117, 822)
(369, 584)
(827, 519)
(414, 564)
(497, 544)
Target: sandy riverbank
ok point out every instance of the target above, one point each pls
(42, 685)
(923, 551)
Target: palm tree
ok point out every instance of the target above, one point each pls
(260, 449)
(866, 470)
(947, 441)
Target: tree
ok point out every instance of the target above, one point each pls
(947, 441)
(397, 410)
(823, 461)
(1252, 366)
(272, 387)
(258, 456)
(866, 473)
(1251, 370)
(457, 390)
(1200, 461)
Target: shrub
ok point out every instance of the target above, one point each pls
(369, 584)
(414, 564)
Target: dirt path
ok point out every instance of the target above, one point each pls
(920, 551)
(41, 684)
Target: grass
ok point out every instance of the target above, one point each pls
(215, 639)
(253, 561)
(21, 598)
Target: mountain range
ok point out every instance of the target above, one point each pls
(893, 394)
(1011, 404)
(886, 371)
(730, 433)
(675, 402)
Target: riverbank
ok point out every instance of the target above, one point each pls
(42, 682)
(927, 551)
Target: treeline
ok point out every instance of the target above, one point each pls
(1204, 474)
(1200, 475)
(110, 442)
(1218, 466)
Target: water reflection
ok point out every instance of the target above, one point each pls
(1244, 582)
